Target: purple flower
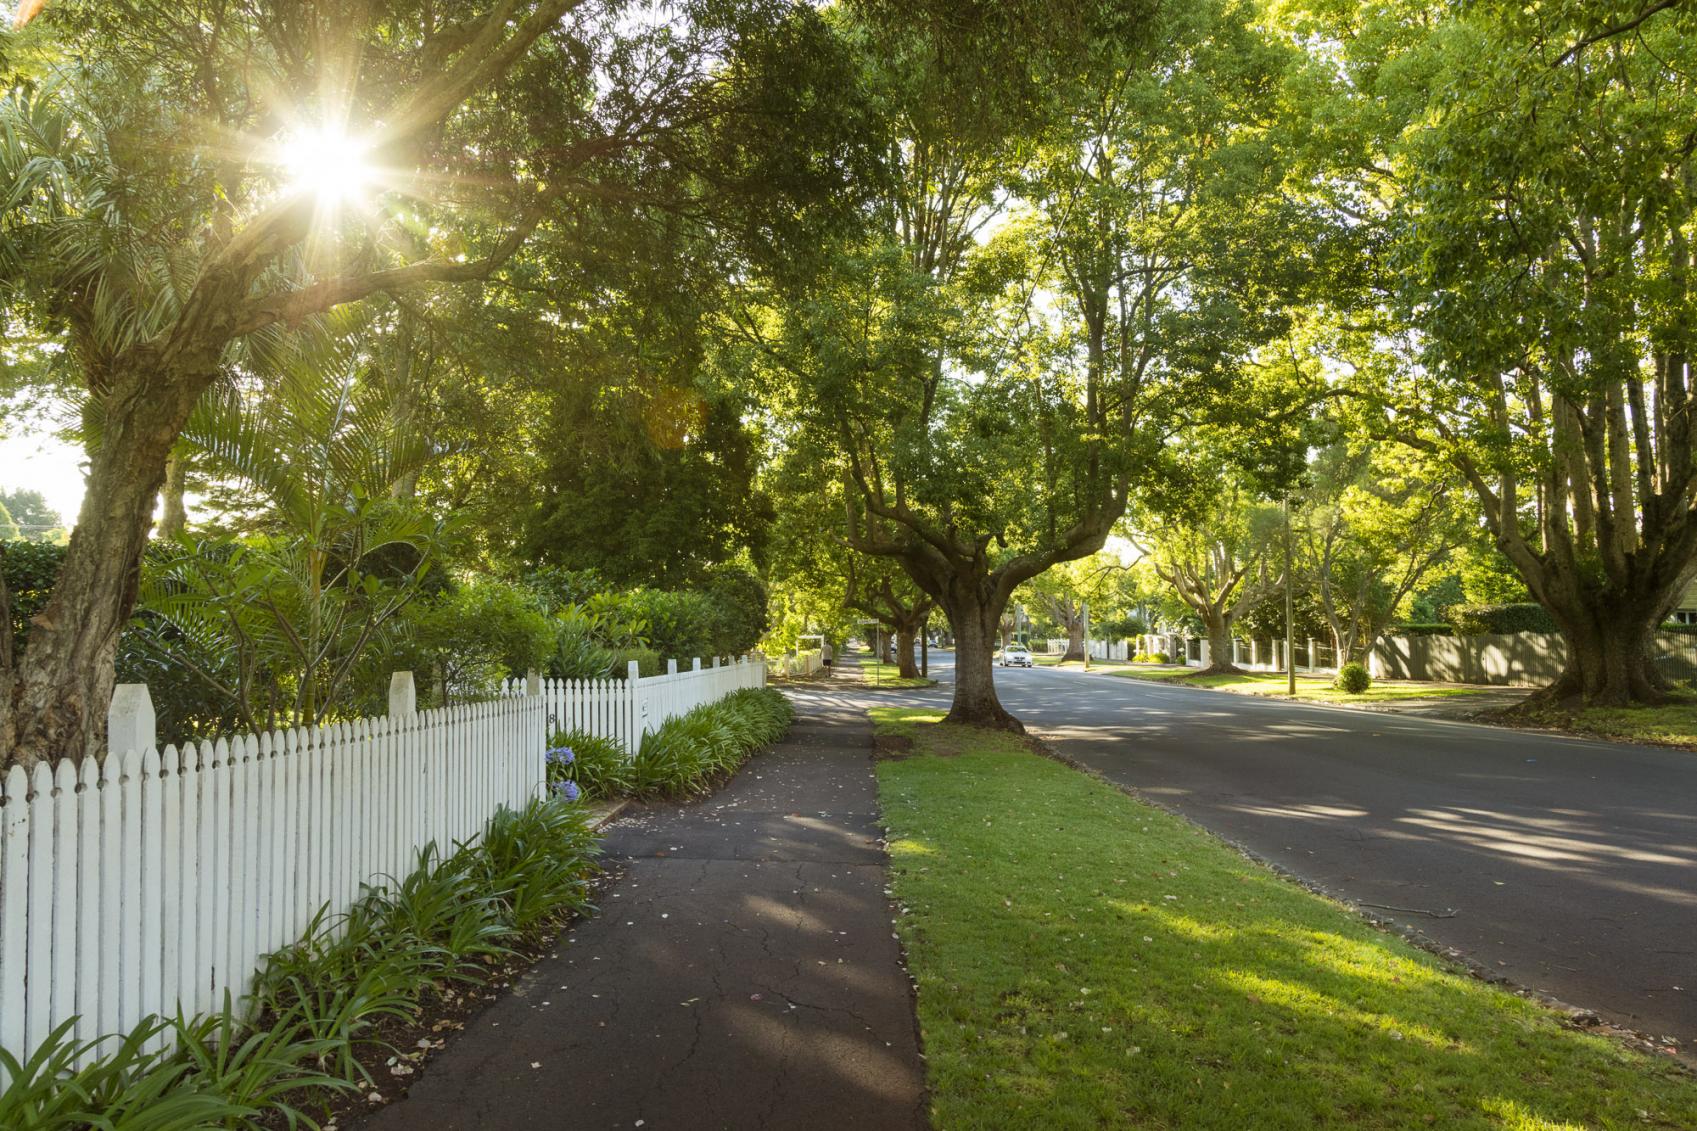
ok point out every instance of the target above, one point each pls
(566, 789)
(560, 756)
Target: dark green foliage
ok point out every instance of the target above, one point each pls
(1519, 616)
(535, 864)
(648, 662)
(463, 643)
(321, 999)
(686, 755)
(599, 766)
(655, 483)
(1436, 629)
(29, 569)
(1353, 678)
(680, 625)
(740, 598)
(1678, 629)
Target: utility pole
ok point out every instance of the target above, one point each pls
(1086, 634)
(1290, 610)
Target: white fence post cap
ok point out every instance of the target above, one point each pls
(697, 663)
(130, 721)
(633, 671)
(671, 667)
(403, 694)
(533, 682)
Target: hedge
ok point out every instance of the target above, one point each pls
(1501, 620)
(1430, 629)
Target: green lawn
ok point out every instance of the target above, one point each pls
(1057, 662)
(1086, 960)
(1318, 689)
(889, 675)
(1674, 724)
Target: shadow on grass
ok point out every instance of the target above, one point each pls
(1084, 959)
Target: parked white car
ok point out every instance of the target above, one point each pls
(1015, 657)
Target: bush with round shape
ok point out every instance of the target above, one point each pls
(1353, 678)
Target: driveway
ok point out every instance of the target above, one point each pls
(1570, 865)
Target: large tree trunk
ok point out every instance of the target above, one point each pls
(975, 627)
(1075, 640)
(1219, 629)
(1609, 661)
(907, 665)
(55, 701)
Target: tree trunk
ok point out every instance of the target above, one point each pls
(173, 517)
(907, 667)
(1075, 640)
(975, 704)
(1219, 629)
(54, 702)
(1608, 662)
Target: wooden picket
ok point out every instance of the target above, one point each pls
(156, 880)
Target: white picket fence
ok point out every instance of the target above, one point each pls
(807, 663)
(152, 880)
(626, 709)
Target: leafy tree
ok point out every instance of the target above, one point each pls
(1222, 558)
(655, 487)
(465, 642)
(986, 437)
(30, 511)
(1529, 177)
(1374, 525)
(156, 265)
(279, 623)
(879, 589)
(8, 528)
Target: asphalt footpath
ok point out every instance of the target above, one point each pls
(742, 972)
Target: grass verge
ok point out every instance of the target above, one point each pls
(1671, 724)
(1315, 689)
(1057, 662)
(875, 674)
(1085, 960)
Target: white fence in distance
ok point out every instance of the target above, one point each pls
(806, 663)
(626, 709)
(152, 880)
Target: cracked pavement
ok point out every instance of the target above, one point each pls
(741, 973)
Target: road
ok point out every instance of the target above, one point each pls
(1570, 865)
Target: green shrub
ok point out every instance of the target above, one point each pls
(466, 642)
(1353, 678)
(1151, 658)
(600, 766)
(1423, 629)
(30, 570)
(1678, 628)
(1520, 616)
(679, 625)
(685, 755)
(648, 662)
(581, 650)
(740, 601)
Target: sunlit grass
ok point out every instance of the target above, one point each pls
(889, 675)
(1316, 689)
(1057, 662)
(1085, 960)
